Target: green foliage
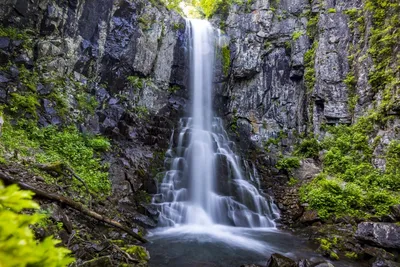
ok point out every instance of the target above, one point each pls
(331, 10)
(350, 184)
(309, 62)
(18, 246)
(142, 112)
(234, 125)
(226, 59)
(351, 83)
(210, 7)
(384, 40)
(86, 102)
(135, 81)
(308, 148)
(288, 163)
(312, 26)
(173, 4)
(274, 141)
(173, 89)
(50, 144)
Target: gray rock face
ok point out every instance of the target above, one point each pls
(386, 235)
(87, 50)
(266, 92)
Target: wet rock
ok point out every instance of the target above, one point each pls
(378, 253)
(25, 60)
(395, 210)
(98, 262)
(278, 260)
(4, 42)
(303, 263)
(386, 235)
(385, 263)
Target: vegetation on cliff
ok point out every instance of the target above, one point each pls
(18, 246)
(350, 183)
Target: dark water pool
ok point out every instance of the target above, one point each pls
(224, 246)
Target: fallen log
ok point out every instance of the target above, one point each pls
(75, 205)
(61, 168)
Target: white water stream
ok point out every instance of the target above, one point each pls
(206, 190)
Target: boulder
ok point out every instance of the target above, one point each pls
(309, 217)
(386, 235)
(278, 260)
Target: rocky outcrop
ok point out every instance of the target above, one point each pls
(297, 67)
(110, 68)
(90, 49)
(384, 235)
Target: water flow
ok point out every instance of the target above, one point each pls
(205, 184)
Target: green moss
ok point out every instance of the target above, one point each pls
(331, 10)
(326, 247)
(312, 26)
(145, 22)
(333, 256)
(178, 26)
(296, 35)
(309, 62)
(351, 255)
(226, 59)
(17, 34)
(140, 252)
(173, 89)
(292, 181)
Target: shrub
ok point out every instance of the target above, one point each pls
(308, 148)
(18, 246)
(288, 163)
(51, 144)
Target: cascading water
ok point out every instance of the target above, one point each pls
(211, 211)
(205, 184)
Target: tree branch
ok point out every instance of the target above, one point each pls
(75, 205)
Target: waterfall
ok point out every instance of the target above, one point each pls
(205, 184)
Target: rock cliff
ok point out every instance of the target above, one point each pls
(110, 68)
(298, 67)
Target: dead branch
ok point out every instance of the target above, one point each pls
(75, 205)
